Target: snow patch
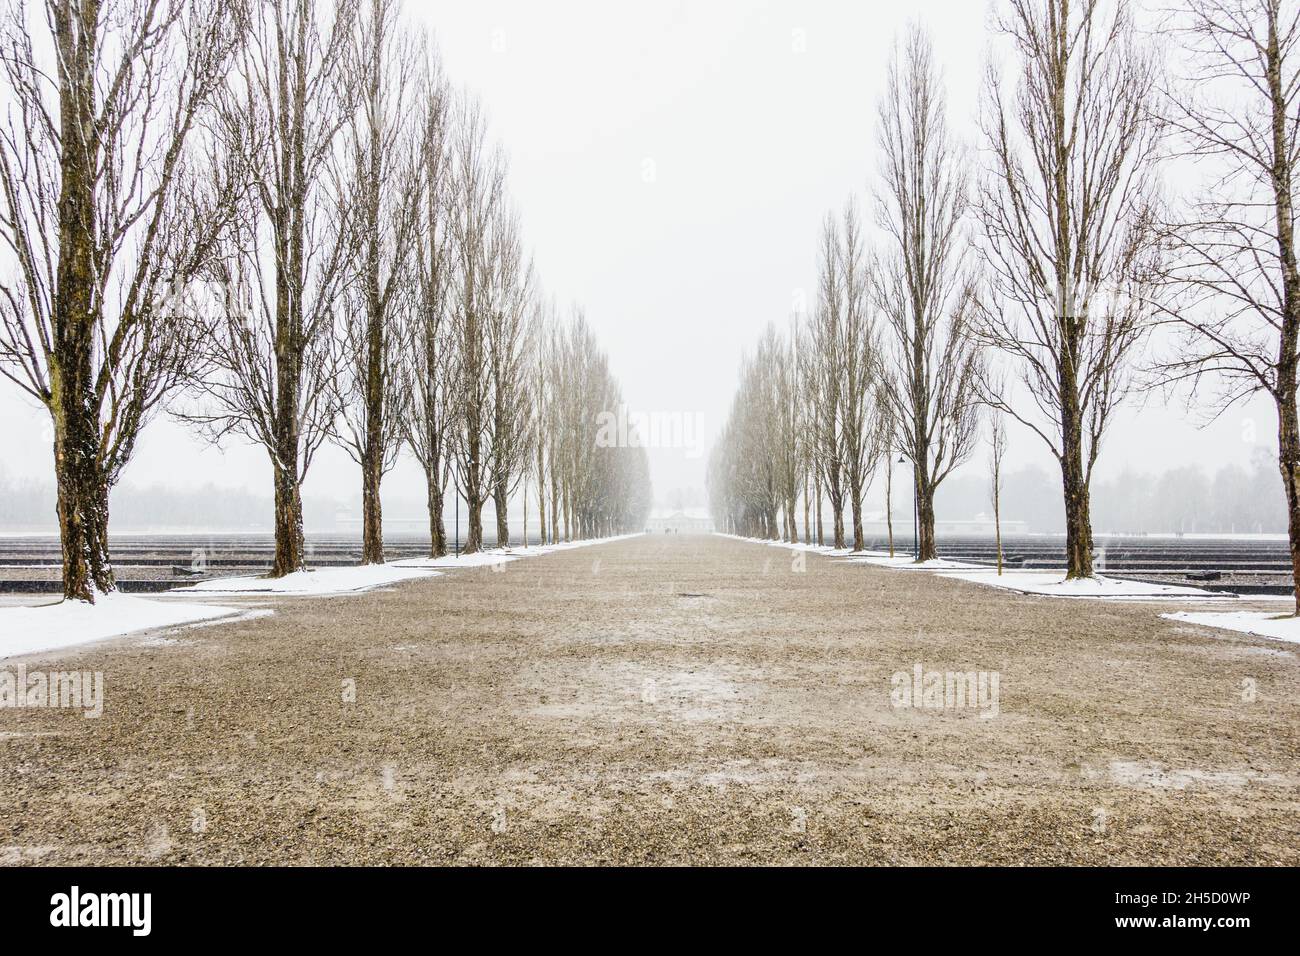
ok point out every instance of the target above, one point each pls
(48, 627)
(796, 545)
(904, 563)
(317, 583)
(1054, 584)
(1148, 774)
(494, 556)
(350, 580)
(477, 560)
(1259, 623)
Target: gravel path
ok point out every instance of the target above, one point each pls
(667, 699)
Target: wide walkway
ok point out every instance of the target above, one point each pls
(668, 698)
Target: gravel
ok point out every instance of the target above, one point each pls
(667, 699)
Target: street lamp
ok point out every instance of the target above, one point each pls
(916, 512)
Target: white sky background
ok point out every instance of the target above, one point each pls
(751, 141)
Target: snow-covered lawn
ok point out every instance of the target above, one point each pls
(906, 563)
(349, 580)
(569, 545)
(1260, 623)
(796, 546)
(477, 560)
(317, 583)
(1053, 583)
(494, 556)
(49, 627)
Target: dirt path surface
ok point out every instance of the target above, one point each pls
(666, 699)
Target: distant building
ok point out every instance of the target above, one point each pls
(680, 521)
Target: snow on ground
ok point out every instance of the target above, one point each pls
(569, 545)
(907, 563)
(796, 545)
(48, 627)
(493, 556)
(477, 560)
(1054, 583)
(348, 580)
(314, 583)
(1050, 583)
(1259, 623)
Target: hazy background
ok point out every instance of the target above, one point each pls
(672, 163)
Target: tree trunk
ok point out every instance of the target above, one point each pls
(927, 548)
(837, 513)
(372, 458)
(1288, 423)
(997, 520)
(859, 540)
(889, 504)
(1288, 441)
(555, 509)
(473, 520)
(1074, 484)
(855, 482)
(807, 527)
(437, 529)
(79, 470)
(821, 537)
(500, 500)
(1078, 526)
(82, 509)
(290, 546)
(541, 500)
(372, 535)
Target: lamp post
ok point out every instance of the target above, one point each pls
(915, 515)
(916, 512)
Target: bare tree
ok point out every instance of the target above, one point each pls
(788, 455)
(106, 215)
(997, 453)
(381, 179)
(1066, 215)
(802, 401)
(265, 368)
(826, 376)
(922, 286)
(428, 369)
(560, 373)
(478, 174)
(508, 364)
(889, 436)
(861, 437)
(542, 389)
(1230, 270)
(812, 436)
(605, 480)
(742, 473)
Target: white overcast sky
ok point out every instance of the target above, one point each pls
(754, 118)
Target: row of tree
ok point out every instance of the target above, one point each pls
(277, 220)
(886, 362)
(1028, 277)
